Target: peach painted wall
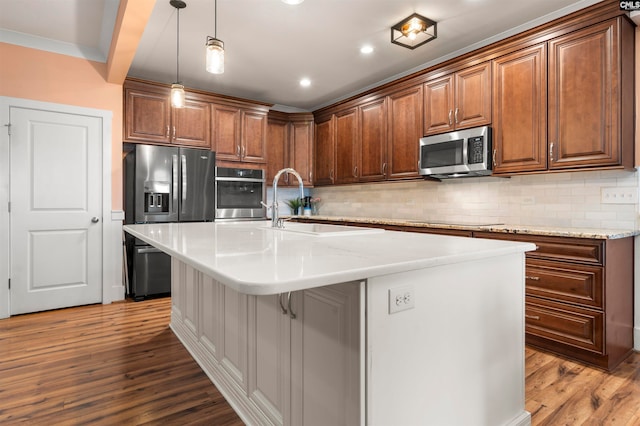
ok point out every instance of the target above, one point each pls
(49, 77)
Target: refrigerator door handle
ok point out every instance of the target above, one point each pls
(183, 159)
(174, 177)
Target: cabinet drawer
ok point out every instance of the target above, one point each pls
(581, 284)
(556, 248)
(569, 325)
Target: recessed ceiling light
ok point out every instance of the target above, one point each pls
(305, 82)
(366, 49)
(292, 1)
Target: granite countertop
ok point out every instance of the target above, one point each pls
(593, 233)
(253, 258)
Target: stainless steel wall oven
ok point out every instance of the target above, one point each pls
(240, 193)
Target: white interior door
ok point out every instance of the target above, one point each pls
(56, 210)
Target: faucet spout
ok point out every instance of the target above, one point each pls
(275, 223)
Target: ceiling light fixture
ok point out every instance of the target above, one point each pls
(305, 82)
(177, 89)
(292, 1)
(215, 47)
(366, 49)
(414, 31)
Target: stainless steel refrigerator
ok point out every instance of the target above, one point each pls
(163, 184)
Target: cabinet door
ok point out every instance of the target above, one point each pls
(277, 147)
(147, 116)
(325, 356)
(405, 130)
(519, 111)
(269, 357)
(438, 105)
(373, 146)
(324, 153)
(226, 132)
(253, 147)
(234, 342)
(301, 149)
(583, 98)
(473, 97)
(191, 125)
(346, 146)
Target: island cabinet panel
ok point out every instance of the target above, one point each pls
(590, 112)
(519, 111)
(324, 158)
(579, 296)
(150, 118)
(404, 132)
(289, 359)
(458, 101)
(347, 146)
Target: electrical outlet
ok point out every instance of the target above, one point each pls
(401, 299)
(619, 195)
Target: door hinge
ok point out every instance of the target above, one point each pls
(9, 206)
(9, 283)
(8, 126)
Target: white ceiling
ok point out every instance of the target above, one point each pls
(270, 45)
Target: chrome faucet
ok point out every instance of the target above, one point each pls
(276, 222)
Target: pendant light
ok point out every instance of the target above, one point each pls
(177, 89)
(215, 48)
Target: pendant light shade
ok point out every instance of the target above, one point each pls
(178, 97)
(177, 89)
(215, 48)
(215, 55)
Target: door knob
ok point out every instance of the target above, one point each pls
(95, 219)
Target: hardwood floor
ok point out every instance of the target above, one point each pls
(121, 364)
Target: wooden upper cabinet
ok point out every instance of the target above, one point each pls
(290, 144)
(150, 118)
(519, 111)
(254, 137)
(191, 124)
(277, 149)
(404, 132)
(373, 140)
(301, 149)
(324, 158)
(347, 146)
(585, 82)
(458, 101)
(226, 132)
(239, 134)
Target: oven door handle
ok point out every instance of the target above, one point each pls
(235, 179)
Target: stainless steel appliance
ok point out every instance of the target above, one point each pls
(240, 193)
(163, 184)
(463, 153)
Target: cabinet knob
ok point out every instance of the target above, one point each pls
(450, 113)
(456, 115)
(384, 169)
(532, 278)
(355, 172)
(533, 317)
(551, 151)
(95, 219)
(494, 157)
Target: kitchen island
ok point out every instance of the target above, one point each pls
(317, 325)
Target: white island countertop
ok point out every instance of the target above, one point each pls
(254, 259)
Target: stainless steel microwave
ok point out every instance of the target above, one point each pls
(463, 153)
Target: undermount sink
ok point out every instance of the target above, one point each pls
(323, 230)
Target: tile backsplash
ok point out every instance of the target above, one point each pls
(568, 199)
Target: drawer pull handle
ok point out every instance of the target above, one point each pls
(532, 278)
(533, 317)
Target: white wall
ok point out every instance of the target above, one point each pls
(570, 199)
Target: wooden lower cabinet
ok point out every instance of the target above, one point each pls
(288, 359)
(579, 296)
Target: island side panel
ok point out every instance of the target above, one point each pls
(457, 357)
